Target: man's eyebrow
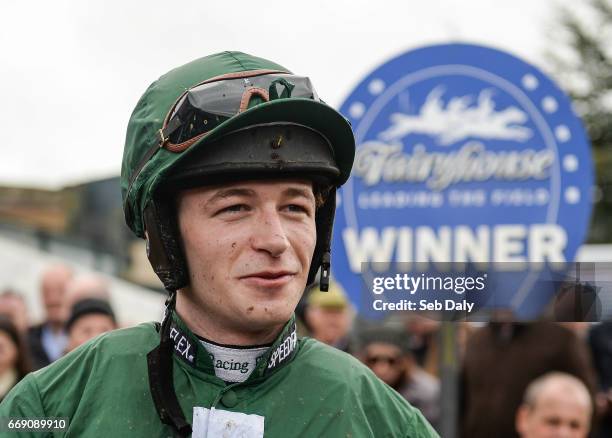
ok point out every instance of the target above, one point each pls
(226, 193)
(297, 192)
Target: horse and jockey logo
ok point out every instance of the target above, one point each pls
(462, 117)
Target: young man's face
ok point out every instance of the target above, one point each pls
(248, 247)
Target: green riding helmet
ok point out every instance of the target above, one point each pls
(227, 117)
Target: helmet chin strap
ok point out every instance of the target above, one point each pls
(322, 257)
(161, 382)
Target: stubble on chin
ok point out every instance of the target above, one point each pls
(240, 322)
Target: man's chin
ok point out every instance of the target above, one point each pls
(265, 318)
(270, 300)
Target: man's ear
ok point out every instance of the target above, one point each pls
(521, 419)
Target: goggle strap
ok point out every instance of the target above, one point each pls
(180, 147)
(248, 94)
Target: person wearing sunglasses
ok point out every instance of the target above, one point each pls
(385, 351)
(230, 170)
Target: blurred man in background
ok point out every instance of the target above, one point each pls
(600, 343)
(385, 351)
(328, 316)
(502, 358)
(48, 340)
(556, 405)
(89, 318)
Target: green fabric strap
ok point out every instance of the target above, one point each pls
(287, 89)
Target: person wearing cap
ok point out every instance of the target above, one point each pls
(230, 169)
(328, 316)
(89, 317)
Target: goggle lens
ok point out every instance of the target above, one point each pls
(205, 106)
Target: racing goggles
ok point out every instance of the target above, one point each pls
(210, 103)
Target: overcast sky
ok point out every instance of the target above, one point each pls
(72, 70)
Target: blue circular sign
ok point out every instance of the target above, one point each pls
(464, 153)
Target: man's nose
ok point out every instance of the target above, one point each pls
(381, 368)
(270, 235)
(564, 431)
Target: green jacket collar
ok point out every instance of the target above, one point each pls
(189, 350)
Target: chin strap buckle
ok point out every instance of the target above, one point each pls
(325, 264)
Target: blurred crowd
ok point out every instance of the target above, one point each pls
(76, 308)
(540, 379)
(528, 380)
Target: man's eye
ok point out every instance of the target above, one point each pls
(237, 208)
(553, 421)
(295, 208)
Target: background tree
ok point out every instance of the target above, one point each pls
(582, 63)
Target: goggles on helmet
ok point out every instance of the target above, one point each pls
(205, 106)
(208, 104)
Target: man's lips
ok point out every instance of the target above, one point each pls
(269, 278)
